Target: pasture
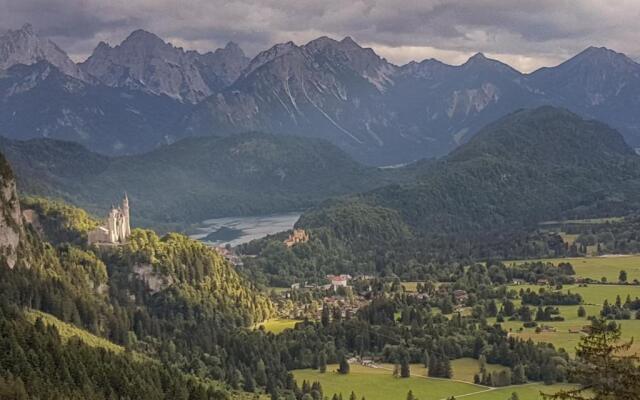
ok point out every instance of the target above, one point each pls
(277, 325)
(598, 267)
(379, 384)
(593, 296)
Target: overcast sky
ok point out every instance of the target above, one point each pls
(526, 34)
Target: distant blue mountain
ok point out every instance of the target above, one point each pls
(144, 92)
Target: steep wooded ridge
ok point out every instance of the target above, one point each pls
(164, 299)
(530, 166)
(195, 178)
(145, 92)
(10, 216)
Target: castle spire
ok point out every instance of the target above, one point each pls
(126, 216)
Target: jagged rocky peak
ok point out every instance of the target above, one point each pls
(24, 78)
(430, 68)
(225, 63)
(364, 61)
(144, 60)
(10, 216)
(270, 54)
(232, 49)
(26, 46)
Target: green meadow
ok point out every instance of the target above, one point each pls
(598, 267)
(380, 384)
(593, 296)
(278, 325)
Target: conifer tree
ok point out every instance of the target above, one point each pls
(602, 369)
(344, 366)
(425, 358)
(405, 369)
(322, 362)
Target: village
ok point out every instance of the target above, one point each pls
(344, 295)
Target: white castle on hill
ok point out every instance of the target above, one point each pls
(116, 228)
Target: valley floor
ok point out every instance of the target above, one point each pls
(380, 384)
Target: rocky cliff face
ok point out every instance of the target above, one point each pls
(144, 61)
(40, 101)
(25, 46)
(222, 67)
(327, 88)
(10, 216)
(378, 112)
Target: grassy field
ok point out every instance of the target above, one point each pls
(588, 221)
(379, 384)
(278, 325)
(598, 267)
(594, 296)
(410, 286)
(525, 392)
(465, 368)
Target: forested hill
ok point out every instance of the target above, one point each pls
(530, 166)
(196, 178)
(166, 300)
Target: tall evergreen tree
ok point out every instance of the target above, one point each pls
(343, 367)
(603, 370)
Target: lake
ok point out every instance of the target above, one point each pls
(238, 230)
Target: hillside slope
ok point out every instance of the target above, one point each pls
(10, 216)
(529, 166)
(196, 178)
(167, 298)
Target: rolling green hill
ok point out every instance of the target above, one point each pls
(527, 167)
(90, 322)
(195, 178)
(484, 200)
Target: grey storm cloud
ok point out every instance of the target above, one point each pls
(526, 34)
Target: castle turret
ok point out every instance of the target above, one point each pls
(125, 213)
(116, 228)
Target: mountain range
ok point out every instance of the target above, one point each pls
(145, 92)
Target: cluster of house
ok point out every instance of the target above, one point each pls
(346, 307)
(460, 296)
(336, 281)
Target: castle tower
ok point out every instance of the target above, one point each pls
(126, 217)
(112, 225)
(116, 228)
